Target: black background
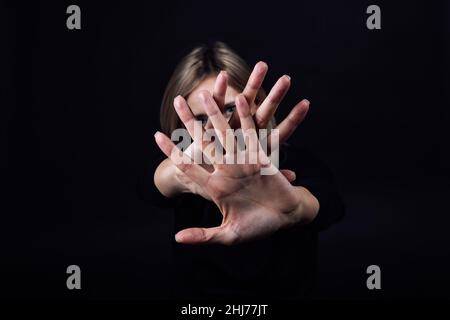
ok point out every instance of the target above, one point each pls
(79, 109)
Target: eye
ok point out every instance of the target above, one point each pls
(203, 119)
(230, 109)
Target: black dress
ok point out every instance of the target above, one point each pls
(280, 266)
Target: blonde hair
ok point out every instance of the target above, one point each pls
(200, 63)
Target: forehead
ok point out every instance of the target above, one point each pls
(207, 84)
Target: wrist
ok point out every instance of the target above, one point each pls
(167, 180)
(308, 207)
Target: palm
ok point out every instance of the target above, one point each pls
(241, 194)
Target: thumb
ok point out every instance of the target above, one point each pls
(202, 236)
(289, 174)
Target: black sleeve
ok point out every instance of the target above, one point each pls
(146, 188)
(315, 176)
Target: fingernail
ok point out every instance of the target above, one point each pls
(289, 78)
(262, 63)
(178, 238)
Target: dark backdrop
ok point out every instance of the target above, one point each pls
(79, 109)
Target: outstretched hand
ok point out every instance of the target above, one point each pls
(242, 194)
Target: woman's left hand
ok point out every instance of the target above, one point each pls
(252, 205)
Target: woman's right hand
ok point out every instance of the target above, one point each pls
(171, 181)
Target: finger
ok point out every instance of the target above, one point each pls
(205, 157)
(204, 236)
(220, 89)
(193, 126)
(186, 116)
(245, 115)
(289, 174)
(199, 157)
(255, 81)
(197, 235)
(248, 127)
(181, 160)
(218, 121)
(291, 122)
(267, 109)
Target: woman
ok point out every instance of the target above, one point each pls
(261, 229)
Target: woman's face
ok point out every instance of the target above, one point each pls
(198, 110)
